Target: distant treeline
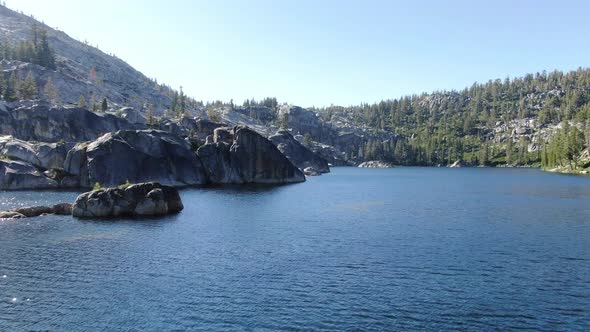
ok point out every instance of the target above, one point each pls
(458, 125)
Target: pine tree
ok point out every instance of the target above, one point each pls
(484, 155)
(150, 115)
(18, 83)
(284, 122)
(50, 92)
(173, 104)
(28, 88)
(5, 49)
(182, 102)
(45, 52)
(522, 151)
(11, 85)
(82, 103)
(213, 114)
(575, 145)
(104, 105)
(544, 156)
(307, 140)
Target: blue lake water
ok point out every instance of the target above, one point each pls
(356, 249)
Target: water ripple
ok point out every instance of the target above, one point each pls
(409, 249)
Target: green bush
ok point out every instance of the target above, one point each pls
(125, 185)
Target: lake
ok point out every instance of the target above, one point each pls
(356, 249)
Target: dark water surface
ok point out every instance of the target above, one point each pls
(357, 249)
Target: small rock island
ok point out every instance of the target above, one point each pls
(133, 200)
(136, 200)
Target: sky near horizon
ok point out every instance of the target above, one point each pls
(317, 53)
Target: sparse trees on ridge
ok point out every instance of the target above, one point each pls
(36, 50)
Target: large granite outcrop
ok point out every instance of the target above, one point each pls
(144, 199)
(34, 165)
(132, 115)
(261, 113)
(336, 135)
(15, 175)
(37, 121)
(195, 129)
(240, 155)
(39, 154)
(298, 154)
(303, 121)
(135, 156)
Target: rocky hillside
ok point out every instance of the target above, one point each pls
(81, 70)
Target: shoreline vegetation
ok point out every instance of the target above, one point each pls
(560, 170)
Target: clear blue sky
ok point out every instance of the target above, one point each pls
(322, 52)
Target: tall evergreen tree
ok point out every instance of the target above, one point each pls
(82, 102)
(11, 85)
(28, 88)
(2, 84)
(50, 92)
(181, 102)
(104, 105)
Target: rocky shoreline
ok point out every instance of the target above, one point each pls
(43, 146)
(375, 164)
(108, 150)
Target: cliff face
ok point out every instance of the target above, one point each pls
(41, 122)
(298, 154)
(135, 156)
(240, 155)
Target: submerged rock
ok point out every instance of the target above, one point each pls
(376, 164)
(298, 154)
(240, 155)
(135, 156)
(35, 211)
(145, 199)
(310, 171)
(11, 215)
